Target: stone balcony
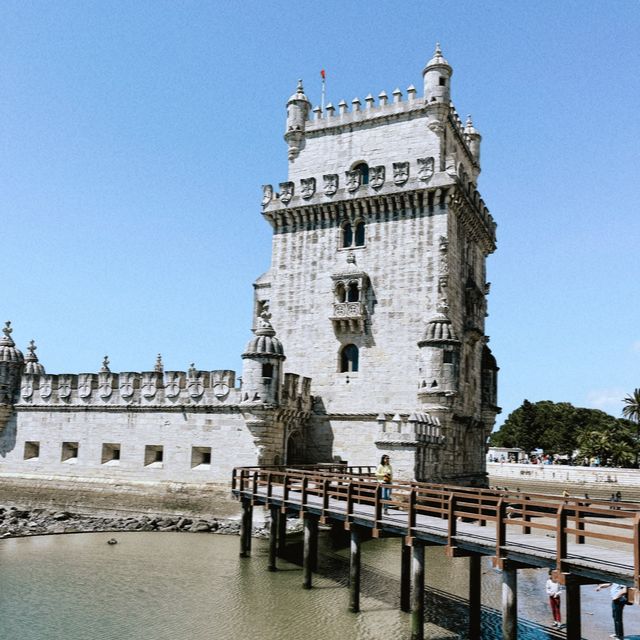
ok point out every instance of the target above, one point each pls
(349, 317)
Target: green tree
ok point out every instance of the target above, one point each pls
(561, 428)
(613, 445)
(631, 411)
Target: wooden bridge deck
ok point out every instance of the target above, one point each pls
(588, 539)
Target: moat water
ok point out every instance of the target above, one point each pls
(163, 586)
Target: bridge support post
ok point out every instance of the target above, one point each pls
(475, 594)
(574, 622)
(417, 590)
(273, 537)
(405, 578)
(282, 533)
(310, 548)
(509, 601)
(246, 524)
(354, 570)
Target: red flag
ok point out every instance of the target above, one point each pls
(322, 73)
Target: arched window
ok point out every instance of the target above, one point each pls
(349, 358)
(341, 293)
(347, 235)
(267, 370)
(353, 293)
(363, 168)
(359, 235)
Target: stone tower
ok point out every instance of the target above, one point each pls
(377, 287)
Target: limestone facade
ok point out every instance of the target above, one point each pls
(368, 326)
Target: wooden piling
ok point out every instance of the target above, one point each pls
(475, 594)
(354, 570)
(509, 601)
(273, 537)
(310, 548)
(246, 524)
(282, 532)
(405, 578)
(417, 590)
(574, 621)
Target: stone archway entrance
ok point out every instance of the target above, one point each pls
(295, 449)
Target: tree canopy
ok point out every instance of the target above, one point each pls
(561, 428)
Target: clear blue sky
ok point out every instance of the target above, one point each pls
(134, 137)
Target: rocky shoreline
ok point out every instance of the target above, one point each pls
(16, 522)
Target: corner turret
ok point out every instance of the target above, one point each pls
(32, 365)
(11, 365)
(437, 79)
(298, 107)
(262, 365)
(473, 140)
(440, 358)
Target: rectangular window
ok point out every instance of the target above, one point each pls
(111, 453)
(200, 457)
(31, 450)
(447, 357)
(70, 452)
(153, 455)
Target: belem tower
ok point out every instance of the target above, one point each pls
(368, 327)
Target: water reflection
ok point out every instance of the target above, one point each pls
(164, 586)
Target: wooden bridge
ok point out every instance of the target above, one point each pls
(583, 541)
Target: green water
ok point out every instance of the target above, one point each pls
(166, 586)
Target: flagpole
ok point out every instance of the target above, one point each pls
(322, 73)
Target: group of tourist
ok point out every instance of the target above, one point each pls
(619, 598)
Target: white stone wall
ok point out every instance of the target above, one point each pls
(376, 142)
(399, 259)
(605, 476)
(230, 440)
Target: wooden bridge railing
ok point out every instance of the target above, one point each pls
(338, 489)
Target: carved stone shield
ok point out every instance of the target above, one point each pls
(400, 172)
(376, 176)
(127, 385)
(46, 387)
(330, 184)
(221, 384)
(85, 385)
(307, 187)
(425, 168)
(286, 192)
(64, 387)
(267, 194)
(26, 390)
(172, 387)
(195, 387)
(149, 385)
(105, 386)
(353, 180)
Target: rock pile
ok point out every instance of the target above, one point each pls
(15, 522)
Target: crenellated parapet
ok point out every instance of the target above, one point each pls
(409, 430)
(296, 393)
(130, 389)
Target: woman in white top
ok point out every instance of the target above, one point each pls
(384, 474)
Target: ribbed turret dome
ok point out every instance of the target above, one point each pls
(438, 59)
(439, 329)
(8, 350)
(264, 343)
(31, 363)
(299, 94)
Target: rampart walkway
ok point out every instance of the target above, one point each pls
(585, 542)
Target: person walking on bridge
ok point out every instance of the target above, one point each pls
(384, 474)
